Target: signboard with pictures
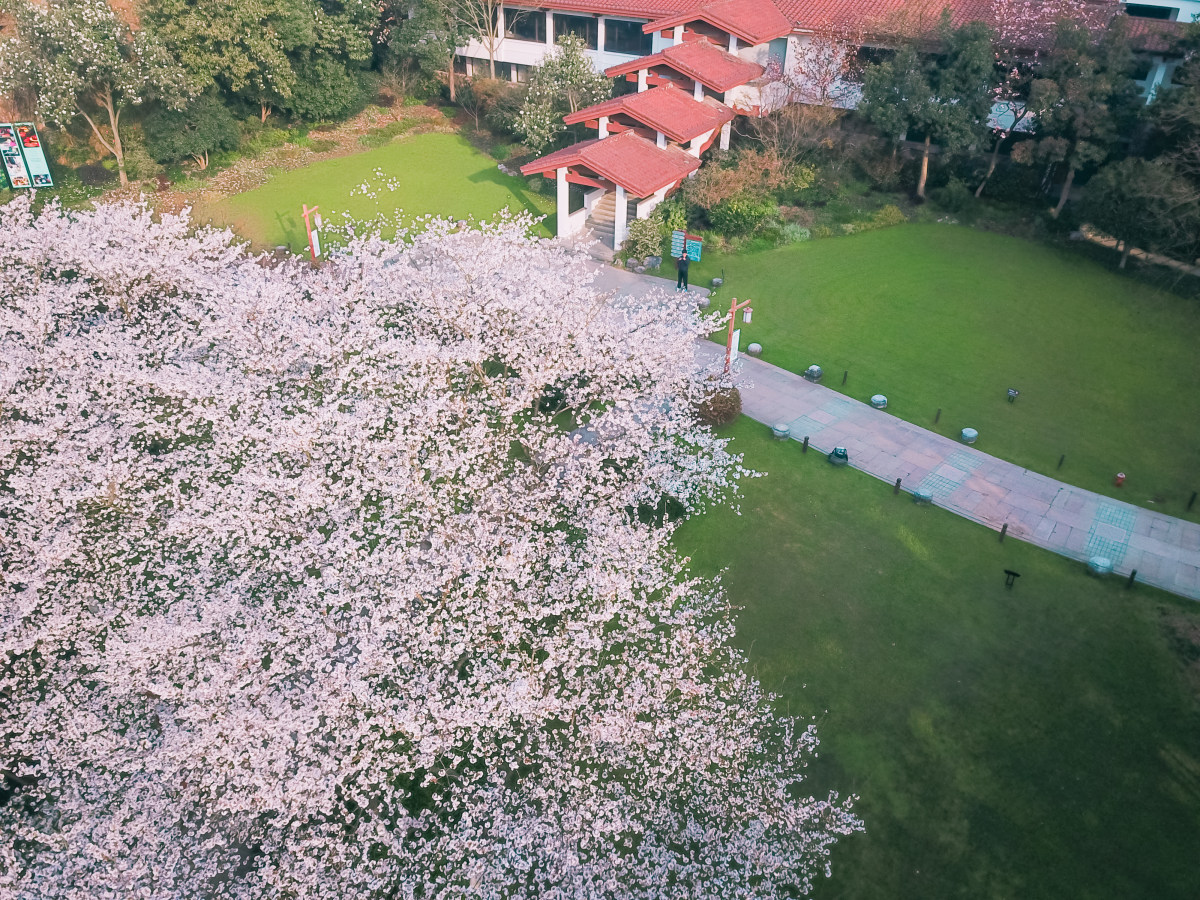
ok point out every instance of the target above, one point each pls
(681, 241)
(35, 156)
(14, 162)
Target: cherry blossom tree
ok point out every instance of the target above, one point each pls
(344, 582)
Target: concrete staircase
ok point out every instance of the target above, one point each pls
(601, 222)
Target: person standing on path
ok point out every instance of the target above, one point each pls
(681, 266)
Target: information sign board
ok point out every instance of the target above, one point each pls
(10, 151)
(35, 156)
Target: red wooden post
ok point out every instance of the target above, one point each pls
(734, 306)
(308, 227)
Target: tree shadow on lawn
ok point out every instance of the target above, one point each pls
(516, 187)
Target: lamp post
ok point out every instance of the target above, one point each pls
(734, 306)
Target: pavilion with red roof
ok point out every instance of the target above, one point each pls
(697, 64)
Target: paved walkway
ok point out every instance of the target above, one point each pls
(1073, 522)
(1076, 523)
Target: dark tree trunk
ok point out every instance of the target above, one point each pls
(1066, 191)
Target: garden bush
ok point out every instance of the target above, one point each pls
(645, 236)
(954, 197)
(95, 175)
(721, 407)
(202, 127)
(740, 215)
(794, 233)
(888, 215)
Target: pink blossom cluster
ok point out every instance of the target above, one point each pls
(332, 583)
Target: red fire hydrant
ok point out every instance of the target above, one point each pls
(1120, 479)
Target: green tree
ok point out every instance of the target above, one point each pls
(202, 127)
(1083, 99)
(327, 88)
(425, 43)
(80, 59)
(263, 51)
(946, 96)
(241, 45)
(565, 83)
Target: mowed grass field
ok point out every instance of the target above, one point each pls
(944, 317)
(1034, 743)
(438, 174)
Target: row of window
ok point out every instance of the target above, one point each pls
(619, 36)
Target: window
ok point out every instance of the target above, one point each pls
(525, 24)
(1142, 11)
(586, 27)
(626, 37)
(1142, 65)
(868, 56)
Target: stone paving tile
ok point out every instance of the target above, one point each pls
(1066, 519)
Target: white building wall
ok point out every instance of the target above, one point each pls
(531, 53)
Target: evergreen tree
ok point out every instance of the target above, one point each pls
(566, 82)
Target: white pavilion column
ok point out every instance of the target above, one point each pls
(677, 34)
(697, 143)
(564, 203)
(603, 129)
(643, 74)
(733, 43)
(661, 140)
(698, 91)
(620, 229)
(549, 28)
(725, 136)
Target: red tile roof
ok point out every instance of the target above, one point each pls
(752, 21)
(627, 159)
(701, 61)
(1154, 35)
(675, 113)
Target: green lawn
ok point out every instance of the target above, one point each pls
(435, 173)
(1038, 742)
(945, 317)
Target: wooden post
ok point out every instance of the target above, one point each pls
(1061, 460)
(937, 415)
(804, 446)
(896, 489)
(1132, 577)
(1003, 531)
(734, 306)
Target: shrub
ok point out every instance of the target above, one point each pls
(740, 215)
(138, 162)
(202, 127)
(327, 90)
(888, 216)
(263, 139)
(95, 175)
(645, 236)
(794, 233)
(674, 216)
(721, 407)
(822, 231)
(380, 136)
(954, 197)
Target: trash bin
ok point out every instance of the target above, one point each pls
(839, 456)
